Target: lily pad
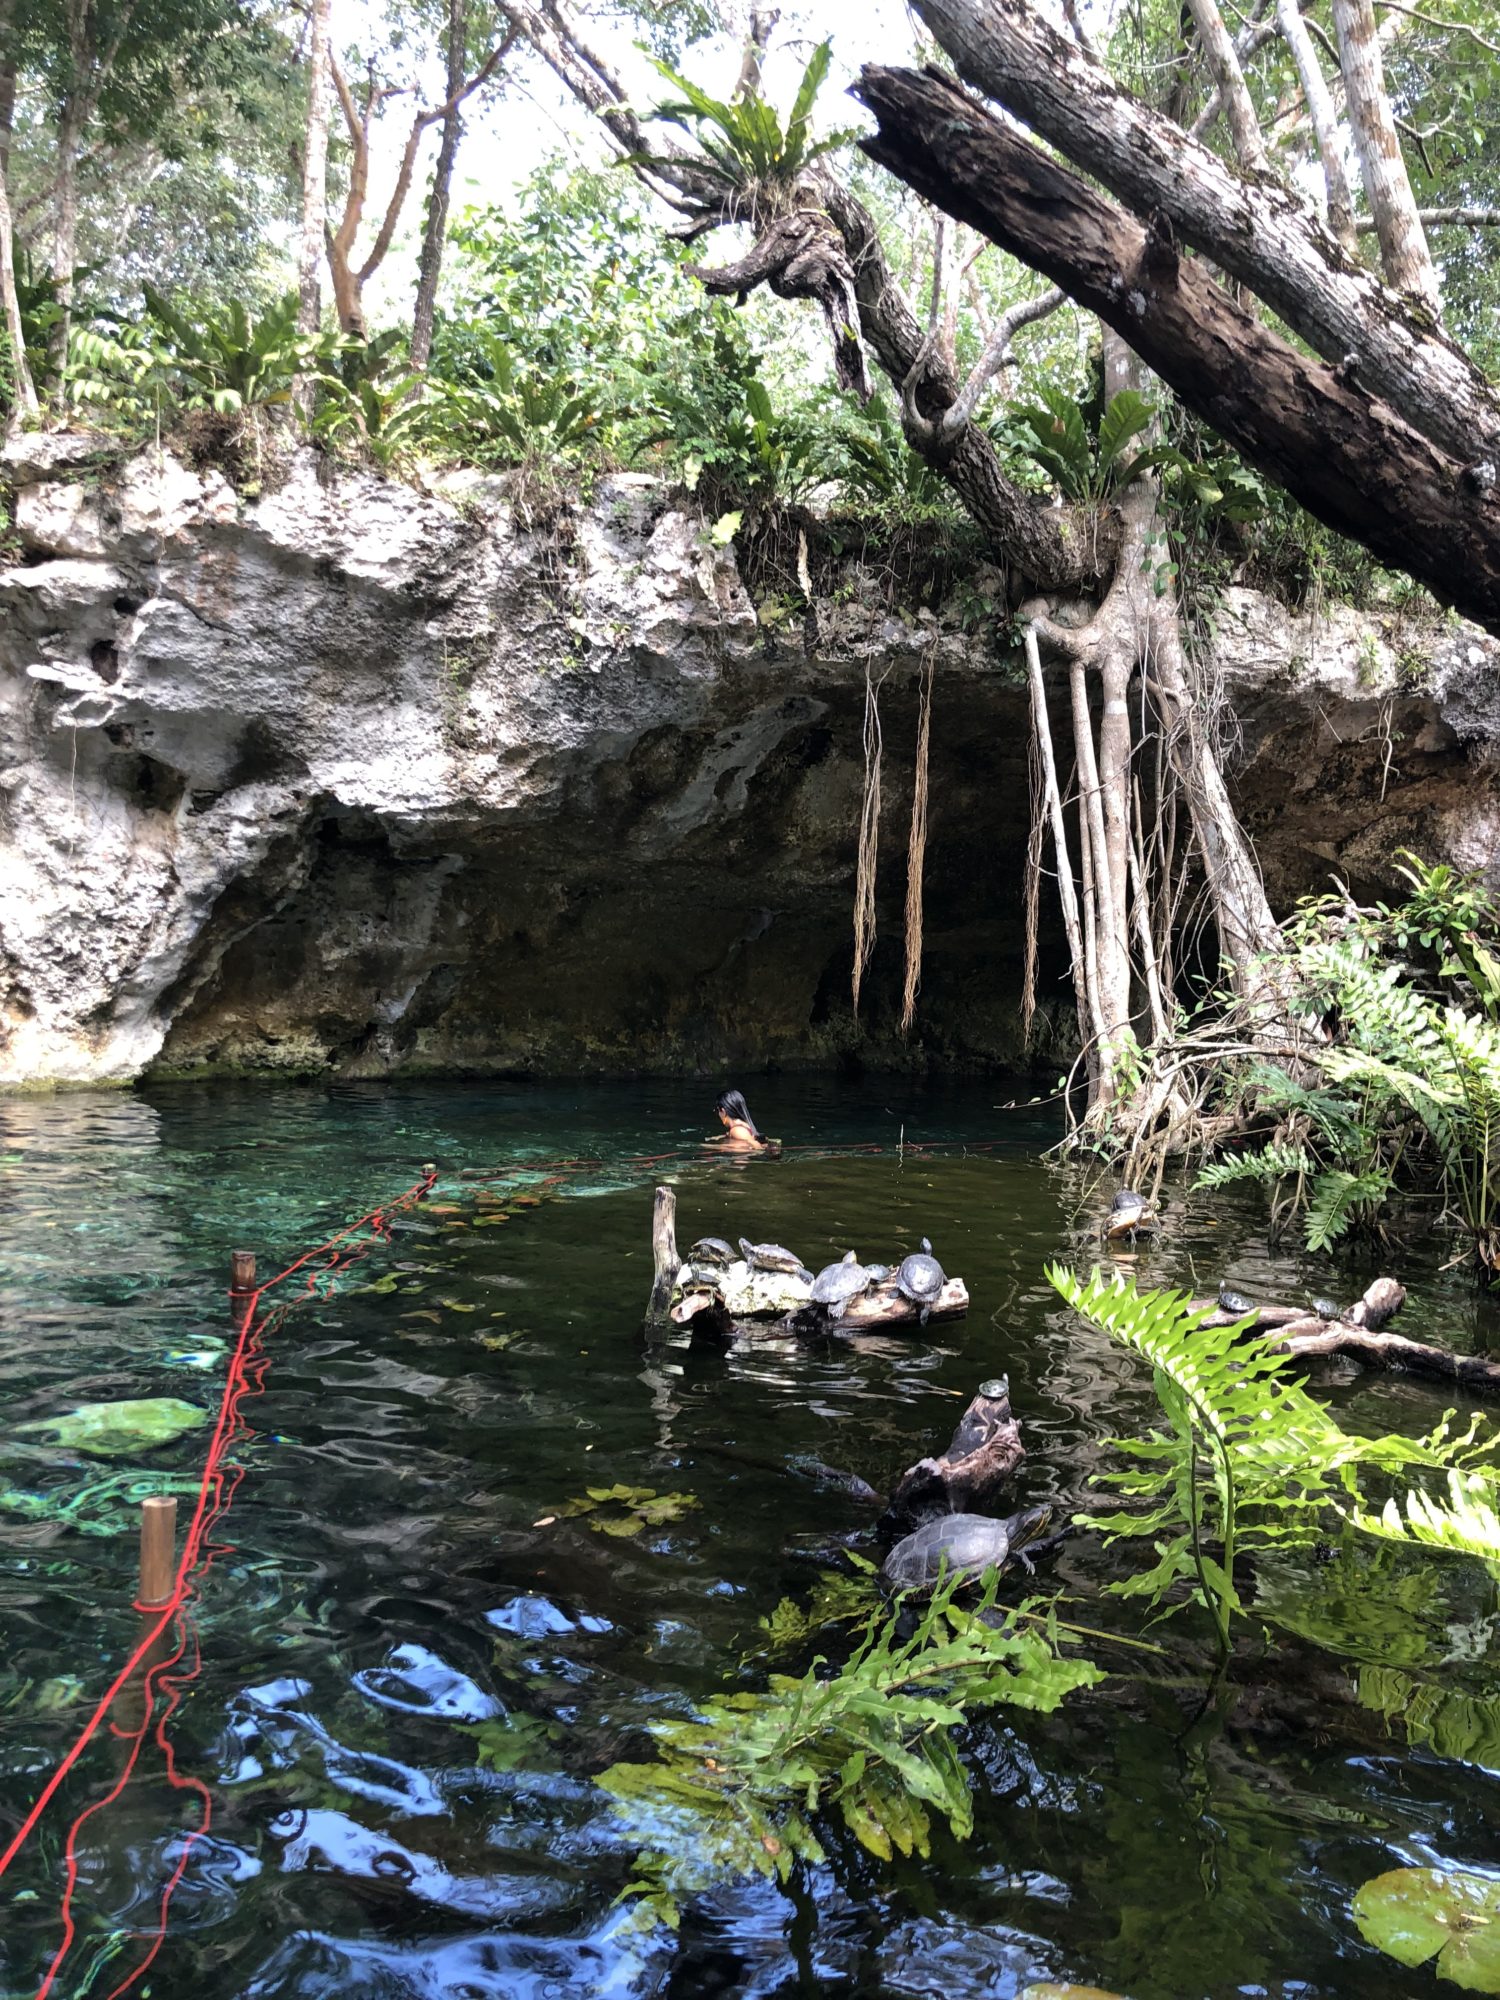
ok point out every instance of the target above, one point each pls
(629, 1510)
(120, 1430)
(1451, 1915)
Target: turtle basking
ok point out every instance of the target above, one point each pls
(1234, 1302)
(711, 1250)
(921, 1279)
(1326, 1309)
(961, 1546)
(1129, 1215)
(877, 1273)
(774, 1257)
(837, 1285)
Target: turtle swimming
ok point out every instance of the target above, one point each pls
(838, 1285)
(1129, 1215)
(921, 1279)
(774, 1257)
(961, 1546)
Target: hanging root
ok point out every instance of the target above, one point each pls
(1033, 887)
(916, 854)
(869, 835)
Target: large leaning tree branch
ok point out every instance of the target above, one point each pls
(825, 238)
(1255, 228)
(1347, 456)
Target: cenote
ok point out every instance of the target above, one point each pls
(413, 1662)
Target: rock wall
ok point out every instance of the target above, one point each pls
(355, 779)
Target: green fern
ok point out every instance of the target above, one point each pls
(742, 142)
(1252, 1464)
(740, 1788)
(1467, 1523)
(1339, 1200)
(1275, 1161)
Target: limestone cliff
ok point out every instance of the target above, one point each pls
(356, 778)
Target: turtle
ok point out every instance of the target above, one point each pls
(837, 1284)
(774, 1257)
(1234, 1302)
(961, 1546)
(1326, 1309)
(711, 1250)
(877, 1273)
(1129, 1215)
(848, 1483)
(921, 1279)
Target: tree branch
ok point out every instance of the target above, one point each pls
(1257, 232)
(1346, 456)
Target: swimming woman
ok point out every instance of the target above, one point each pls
(741, 1134)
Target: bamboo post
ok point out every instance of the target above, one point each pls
(665, 1262)
(158, 1551)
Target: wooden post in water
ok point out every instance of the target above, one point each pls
(241, 1272)
(665, 1262)
(158, 1551)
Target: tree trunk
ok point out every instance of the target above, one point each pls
(23, 392)
(1229, 78)
(70, 126)
(1255, 231)
(436, 229)
(314, 174)
(1347, 457)
(1404, 255)
(1323, 119)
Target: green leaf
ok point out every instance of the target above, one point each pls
(1417, 1914)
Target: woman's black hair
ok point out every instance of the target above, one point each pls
(733, 1105)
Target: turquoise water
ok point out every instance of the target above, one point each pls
(414, 1663)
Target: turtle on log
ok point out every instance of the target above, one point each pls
(921, 1279)
(711, 1250)
(774, 1257)
(1129, 1215)
(837, 1285)
(961, 1547)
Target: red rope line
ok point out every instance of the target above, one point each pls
(216, 1491)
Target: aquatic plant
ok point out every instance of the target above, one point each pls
(120, 1430)
(1448, 1915)
(739, 1788)
(628, 1510)
(1252, 1463)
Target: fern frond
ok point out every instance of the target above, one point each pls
(1468, 1524)
(1338, 1199)
(1275, 1161)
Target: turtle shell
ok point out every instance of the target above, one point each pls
(711, 1250)
(771, 1257)
(1234, 1302)
(837, 1283)
(957, 1545)
(921, 1277)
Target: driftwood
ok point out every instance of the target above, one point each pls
(665, 1262)
(1357, 1333)
(984, 1450)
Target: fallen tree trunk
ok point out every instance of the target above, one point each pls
(1346, 456)
(1357, 1334)
(1256, 229)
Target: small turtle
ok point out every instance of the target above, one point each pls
(773, 1257)
(1326, 1309)
(1234, 1302)
(711, 1250)
(961, 1546)
(1129, 1215)
(848, 1483)
(921, 1279)
(837, 1285)
(877, 1273)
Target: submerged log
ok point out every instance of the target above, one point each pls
(1294, 1331)
(983, 1452)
